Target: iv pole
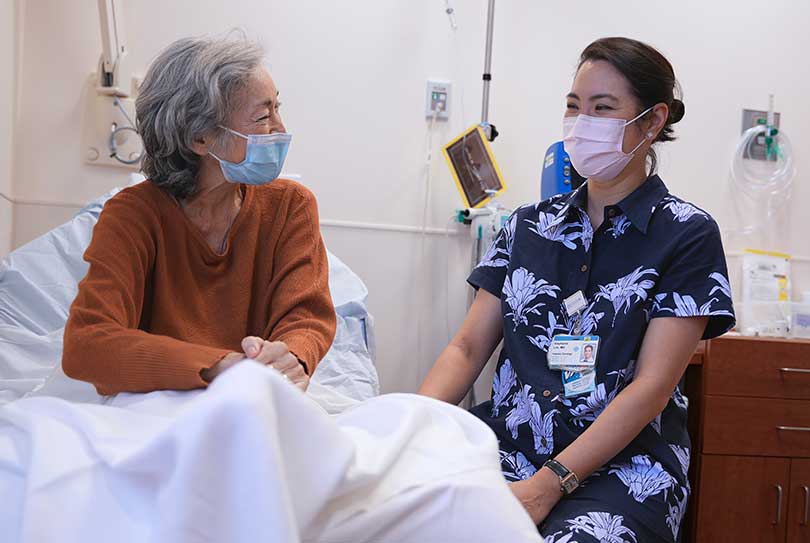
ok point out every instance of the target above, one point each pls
(489, 129)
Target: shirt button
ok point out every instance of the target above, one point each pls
(546, 393)
(584, 268)
(611, 213)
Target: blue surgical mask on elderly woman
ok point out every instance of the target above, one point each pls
(264, 158)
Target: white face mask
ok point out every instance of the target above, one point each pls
(594, 145)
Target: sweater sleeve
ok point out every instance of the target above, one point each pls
(102, 343)
(302, 314)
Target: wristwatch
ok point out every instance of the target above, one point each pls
(568, 479)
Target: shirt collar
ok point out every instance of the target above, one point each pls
(574, 199)
(638, 206)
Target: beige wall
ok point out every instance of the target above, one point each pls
(6, 217)
(7, 89)
(352, 77)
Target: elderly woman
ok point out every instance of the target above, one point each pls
(213, 259)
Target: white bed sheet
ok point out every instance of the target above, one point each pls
(251, 459)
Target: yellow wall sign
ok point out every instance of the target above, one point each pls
(475, 171)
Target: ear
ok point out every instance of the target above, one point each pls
(657, 121)
(201, 145)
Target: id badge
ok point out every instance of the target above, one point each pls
(573, 352)
(576, 383)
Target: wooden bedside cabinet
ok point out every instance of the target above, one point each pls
(749, 420)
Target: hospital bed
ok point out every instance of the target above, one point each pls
(250, 458)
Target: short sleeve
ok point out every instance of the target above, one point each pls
(696, 282)
(490, 273)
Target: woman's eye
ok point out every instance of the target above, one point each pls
(571, 106)
(603, 107)
(277, 106)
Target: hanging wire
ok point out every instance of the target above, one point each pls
(116, 130)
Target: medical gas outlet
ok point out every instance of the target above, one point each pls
(438, 99)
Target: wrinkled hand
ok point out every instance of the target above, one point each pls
(277, 355)
(538, 494)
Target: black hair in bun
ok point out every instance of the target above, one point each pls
(676, 111)
(649, 74)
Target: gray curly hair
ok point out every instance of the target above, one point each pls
(190, 88)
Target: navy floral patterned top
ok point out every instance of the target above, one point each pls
(654, 256)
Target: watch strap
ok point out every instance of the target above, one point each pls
(568, 479)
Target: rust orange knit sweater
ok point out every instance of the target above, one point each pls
(158, 305)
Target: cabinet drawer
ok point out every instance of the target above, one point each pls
(763, 368)
(756, 426)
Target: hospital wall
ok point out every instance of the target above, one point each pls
(7, 87)
(352, 77)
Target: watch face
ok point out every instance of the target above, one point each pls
(570, 486)
(569, 483)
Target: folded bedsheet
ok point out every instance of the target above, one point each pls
(251, 459)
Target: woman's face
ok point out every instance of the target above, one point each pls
(257, 112)
(599, 90)
(588, 352)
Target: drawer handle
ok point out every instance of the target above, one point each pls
(793, 429)
(778, 505)
(794, 370)
(806, 504)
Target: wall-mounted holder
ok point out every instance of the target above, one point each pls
(109, 135)
(758, 149)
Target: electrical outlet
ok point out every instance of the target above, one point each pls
(438, 99)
